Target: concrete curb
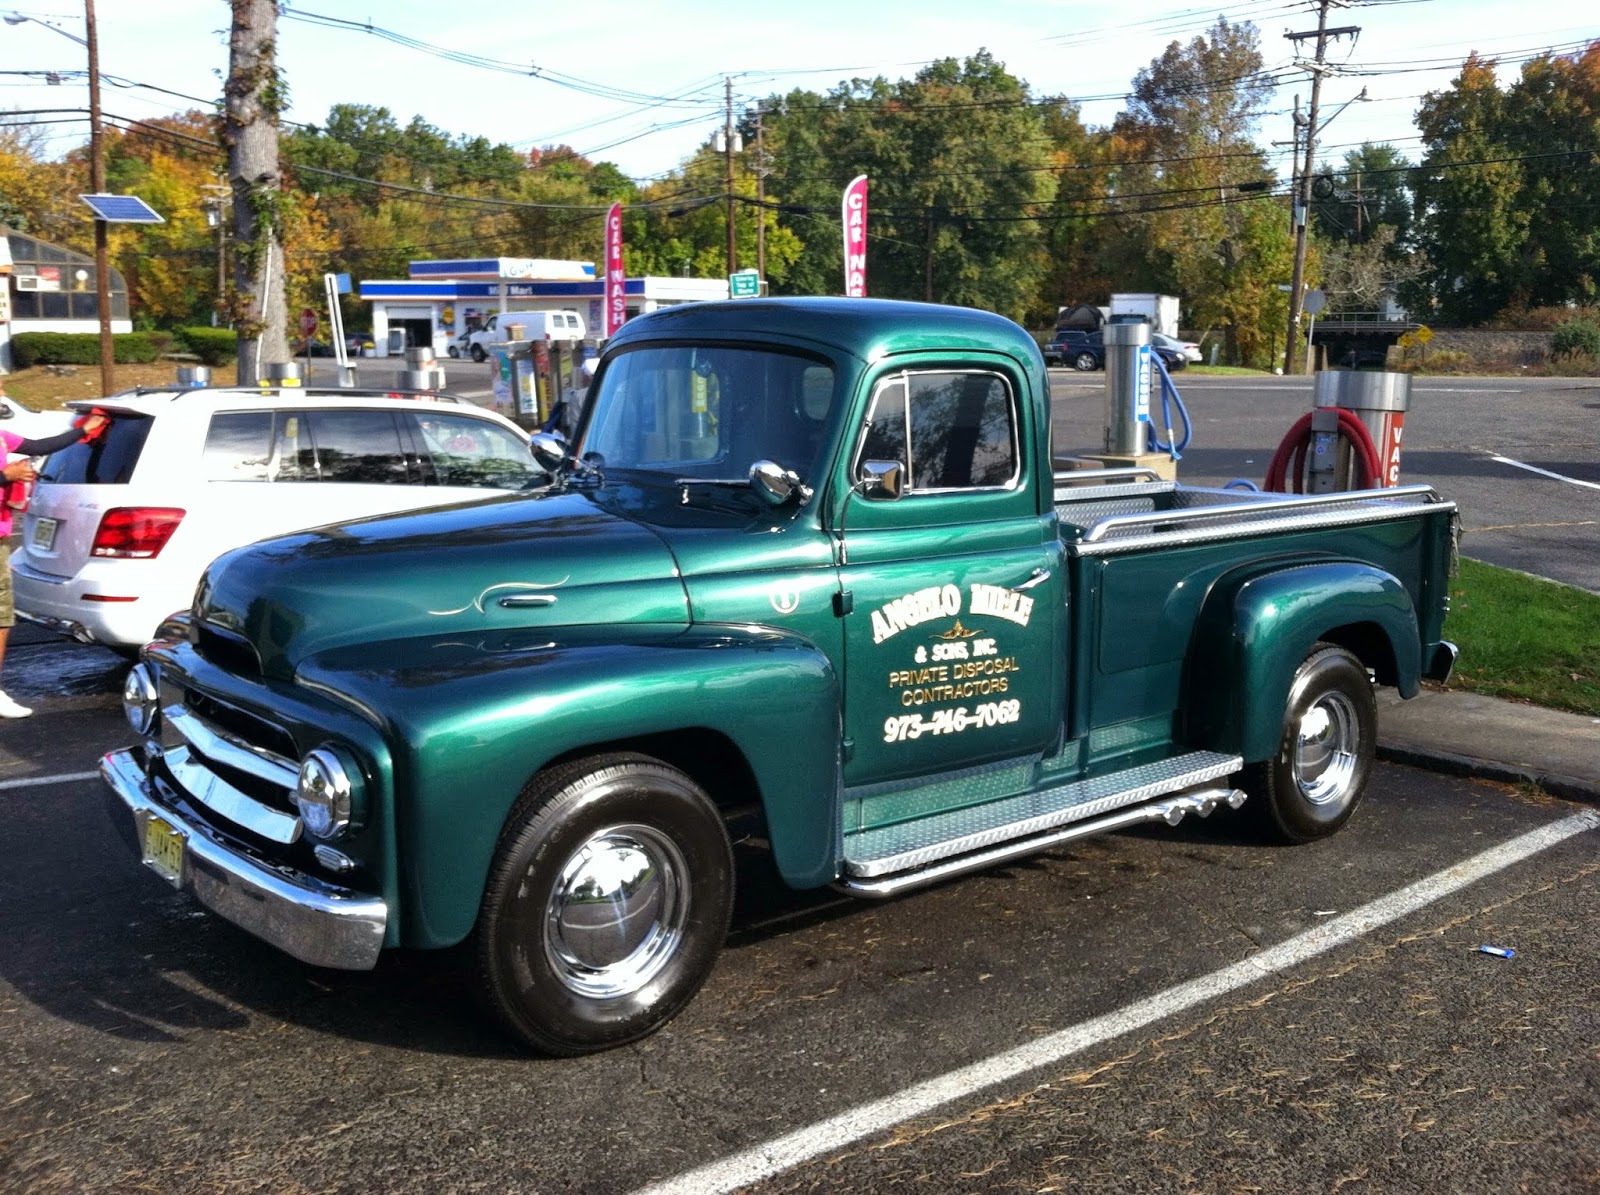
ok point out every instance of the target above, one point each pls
(1567, 788)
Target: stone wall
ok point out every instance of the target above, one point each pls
(1510, 348)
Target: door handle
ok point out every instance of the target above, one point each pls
(518, 600)
(1038, 577)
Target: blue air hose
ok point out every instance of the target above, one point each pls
(1173, 446)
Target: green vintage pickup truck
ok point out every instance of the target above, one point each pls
(807, 561)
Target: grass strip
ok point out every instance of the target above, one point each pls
(1525, 638)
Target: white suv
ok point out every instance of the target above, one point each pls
(120, 529)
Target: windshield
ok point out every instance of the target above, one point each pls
(710, 411)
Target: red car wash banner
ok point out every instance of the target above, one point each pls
(854, 210)
(616, 304)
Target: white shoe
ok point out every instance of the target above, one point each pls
(10, 709)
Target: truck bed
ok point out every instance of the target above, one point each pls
(1108, 511)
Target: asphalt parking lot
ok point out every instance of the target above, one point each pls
(1191, 1009)
(1157, 1010)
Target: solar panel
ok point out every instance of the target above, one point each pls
(122, 209)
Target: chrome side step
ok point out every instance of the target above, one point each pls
(1172, 811)
(912, 844)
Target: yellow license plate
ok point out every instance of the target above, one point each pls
(163, 849)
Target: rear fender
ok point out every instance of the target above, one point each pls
(471, 718)
(1253, 633)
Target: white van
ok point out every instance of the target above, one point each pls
(558, 326)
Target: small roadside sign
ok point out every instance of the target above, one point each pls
(744, 284)
(1423, 334)
(1314, 301)
(308, 321)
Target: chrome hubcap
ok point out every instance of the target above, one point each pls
(1325, 750)
(617, 912)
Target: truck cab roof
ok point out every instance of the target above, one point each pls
(869, 329)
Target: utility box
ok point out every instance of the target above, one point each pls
(1159, 311)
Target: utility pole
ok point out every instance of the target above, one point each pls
(1301, 203)
(727, 167)
(97, 185)
(761, 202)
(250, 133)
(216, 205)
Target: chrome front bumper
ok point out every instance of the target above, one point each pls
(315, 922)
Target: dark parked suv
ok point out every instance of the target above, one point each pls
(1087, 351)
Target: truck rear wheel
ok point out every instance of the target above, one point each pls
(607, 904)
(1309, 789)
(1086, 362)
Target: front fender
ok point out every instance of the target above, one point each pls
(471, 718)
(1253, 633)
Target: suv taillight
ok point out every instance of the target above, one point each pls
(139, 532)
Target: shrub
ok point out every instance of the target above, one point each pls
(163, 341)
(1539, 319)
(214, 346)
(1576, 338)
(79, 348)
(1437, 361)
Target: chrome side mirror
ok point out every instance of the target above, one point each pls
(777, 484)
(549, 449)
(883, 479)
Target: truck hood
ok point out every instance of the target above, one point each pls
(550, 561)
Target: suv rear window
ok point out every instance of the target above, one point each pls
(108, 459)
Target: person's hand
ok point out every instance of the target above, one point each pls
(93, 424)
(19, 471)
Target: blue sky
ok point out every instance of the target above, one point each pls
(681, 50)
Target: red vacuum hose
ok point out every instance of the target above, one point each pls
(1289, 458)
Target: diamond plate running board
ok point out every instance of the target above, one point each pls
(908, 846)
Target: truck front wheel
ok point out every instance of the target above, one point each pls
(478, 354)
(607, 904)
(1312, 785)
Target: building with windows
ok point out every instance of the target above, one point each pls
(444, 299)
(51, 289)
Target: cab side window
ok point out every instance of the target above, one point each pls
(950, 430)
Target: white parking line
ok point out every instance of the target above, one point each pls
(783, 1153)
(1506, 460)
(40, 781)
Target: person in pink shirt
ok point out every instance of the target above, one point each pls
(18, 476)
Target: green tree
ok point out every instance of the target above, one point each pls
(1505, 191)
(959, 174)
(1371, 192)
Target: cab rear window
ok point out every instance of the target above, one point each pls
(108, 459)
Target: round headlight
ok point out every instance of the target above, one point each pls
(141, 699)
(323, 794)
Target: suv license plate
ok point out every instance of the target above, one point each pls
(44, 534)
(162, 850)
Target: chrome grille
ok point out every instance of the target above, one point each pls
(229, 772)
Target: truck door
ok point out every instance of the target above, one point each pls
(953, 585)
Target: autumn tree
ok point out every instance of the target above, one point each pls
(1189, 193)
